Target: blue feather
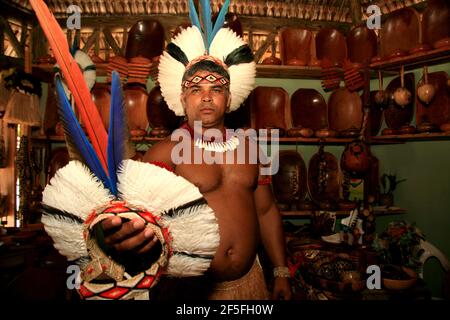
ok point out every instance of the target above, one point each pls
(76, 138)
(207, 22)
(118, 131)
(75, 44)
(220, 19)
(194, 16)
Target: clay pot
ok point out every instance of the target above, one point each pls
(145, 38)
(162, 120)
(102, 98)
(135, 97)
(356, 158)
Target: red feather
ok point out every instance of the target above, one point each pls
(74, 78)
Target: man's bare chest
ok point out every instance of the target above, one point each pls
(211, 177)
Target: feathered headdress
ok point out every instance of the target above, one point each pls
(101, 181)
(212, 42)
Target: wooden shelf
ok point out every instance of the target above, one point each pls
(48, 138)
(289, 140)
(287, 72)
(45, 71)
(412, 137)
(379, 211)
(413, 61)
(146, 140)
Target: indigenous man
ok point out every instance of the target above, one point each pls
(241, 198)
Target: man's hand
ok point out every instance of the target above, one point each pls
(128, 236)
(281, 289)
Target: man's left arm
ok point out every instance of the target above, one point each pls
(272, 236)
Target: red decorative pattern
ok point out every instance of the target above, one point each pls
(146, 282)
(85, 293)
(114, 293)
(150, 218)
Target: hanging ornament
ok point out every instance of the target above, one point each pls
(426, 91)
(402, 96)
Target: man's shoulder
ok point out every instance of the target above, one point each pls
(160, 152)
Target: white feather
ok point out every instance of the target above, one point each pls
(190, 42)
(242, 82)
(76, 190)
(154, 188)
(185, 266)
(67, 236)
(170, 77)
(225, 41)
(203, 237)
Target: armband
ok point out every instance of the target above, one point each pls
(162, 165)
(281, 272)
(265, 181)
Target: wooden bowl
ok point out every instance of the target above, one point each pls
(394, 284)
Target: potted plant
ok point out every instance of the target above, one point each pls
(389, 183)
